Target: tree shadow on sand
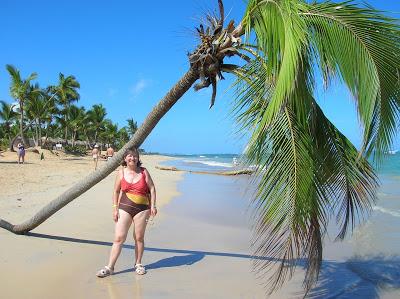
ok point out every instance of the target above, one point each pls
(190, 257)
(15, 162)
(359, 277)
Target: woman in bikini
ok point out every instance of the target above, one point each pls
(134, 200)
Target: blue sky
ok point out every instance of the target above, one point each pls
(127, 55)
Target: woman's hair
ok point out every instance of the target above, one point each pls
(133, 152)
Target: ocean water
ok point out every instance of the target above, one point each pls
(373, 269)
(204, 162)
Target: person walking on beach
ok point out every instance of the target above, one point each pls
(134, 201)
(110, 153)
(21, 152)
(95, 155)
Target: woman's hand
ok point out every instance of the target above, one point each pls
(153, 211)
(115, 214)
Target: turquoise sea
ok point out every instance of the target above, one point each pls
(370, 261)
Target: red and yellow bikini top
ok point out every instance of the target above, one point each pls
(137, 192)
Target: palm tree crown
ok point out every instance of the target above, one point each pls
(66, 92)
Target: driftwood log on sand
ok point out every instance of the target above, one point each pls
(232, 172)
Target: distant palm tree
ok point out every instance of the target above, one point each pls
(123, 137)
(51, 110)
(36, 111)
(110, 133)
(96, 117)
(132, 127)
(19, 90)
(77, 117)
(8, 116)
(66, 92)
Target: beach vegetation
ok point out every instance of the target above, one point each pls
(46, 121)
(308, 172)
(76, 150)
(8, 118)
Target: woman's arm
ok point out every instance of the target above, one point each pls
(116, 195)
(117, 188)
(152, 188)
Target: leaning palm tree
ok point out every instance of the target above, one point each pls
(206, 64)
(308, 170)
(20, 89)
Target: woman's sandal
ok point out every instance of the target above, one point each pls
(140, 269)
(106, 271)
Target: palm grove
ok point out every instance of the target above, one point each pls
(309, 171)
(49, 114)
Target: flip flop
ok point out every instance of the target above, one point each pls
(140, 269)
(106, 271)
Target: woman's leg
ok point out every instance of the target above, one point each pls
(121, 230)
(138, 234)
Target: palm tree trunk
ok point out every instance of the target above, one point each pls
(85, 184)
(66, 125)
(73, 138)
(37, 132)
(40, 133)
(21, 127)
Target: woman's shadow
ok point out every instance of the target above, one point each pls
(174, 261)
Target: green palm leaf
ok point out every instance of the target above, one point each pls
(361, 46)
(309, 171)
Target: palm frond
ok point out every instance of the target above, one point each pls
(308, 171)
(281, 34)
(362, 47)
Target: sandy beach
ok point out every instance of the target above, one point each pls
(197, 247)
(184, 257)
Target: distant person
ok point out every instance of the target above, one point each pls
(110, 153)
(21, 152)
(95, 155)
(134, 200)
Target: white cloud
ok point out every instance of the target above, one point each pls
(139, 86)
(111, 92)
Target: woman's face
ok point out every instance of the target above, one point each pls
(131, 159)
